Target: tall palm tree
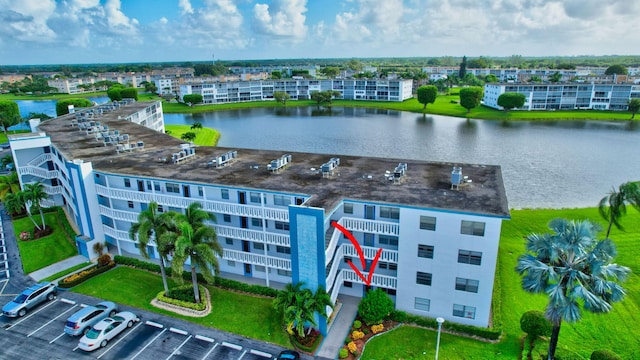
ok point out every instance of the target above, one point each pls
(149, 228)
(34, 193)
(197, 242)
(613, 206)
(573, 269)
(9, 184)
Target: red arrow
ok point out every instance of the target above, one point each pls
(355, 243)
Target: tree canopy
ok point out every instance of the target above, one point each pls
(427, 95)
(9, 114)
(634, 107)
(616, 69)
(129, 93)
(62, 106)
(511, 100)
(470, 97)
(193, 99)
(281, 97)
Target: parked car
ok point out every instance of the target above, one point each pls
(288, 355)
(30, 298)
(102, 332)
(84, 319)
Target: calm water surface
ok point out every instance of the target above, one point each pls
(544, 164)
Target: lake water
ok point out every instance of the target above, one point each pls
(48, 106)
(544, 164)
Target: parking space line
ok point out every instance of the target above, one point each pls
(58, 337)
(210, 351)
(4, 286)
(30, 315)
(147, 345)
(241, 356)
(261, 353)
(178, 331)
(178, 348)
(120, 339)
(233, 346)
(204, 338)
(50, 321)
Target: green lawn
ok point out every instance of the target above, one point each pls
(204, 136)
(52, 96)
(237, 313)
(616, 331)
(36, 254)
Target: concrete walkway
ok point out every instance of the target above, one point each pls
(339, 328)
(53, 269)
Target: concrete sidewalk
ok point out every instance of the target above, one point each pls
(53, 269)
(339, 328)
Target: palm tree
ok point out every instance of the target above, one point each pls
(9, 184)
(197, 242)
(13, 203)
(298, 306)
(613, 206)
(150, 227)
(573, 269)
(196, 126)
(34, 193)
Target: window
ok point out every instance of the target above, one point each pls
(283, 249)
(256, 222)
(389, 212)
(467, 285)
(226, 217)
(284, 272)
(388, 240)
(254, 197)
(391, 292)
(228, 241)
(422, 304)
(127, 183)
(224, 193)
(258, 246)
(469, 257)
(173, 188)
(282, 225)
(156, 186)
(130, 204)
(425, 251)
(348, 284)
(468, 312)
(231, 263)
(259, 268)
(160, 208)
(472, 228)
(347, 259)
(200, 191)
(149, 185)
(348, 208)
(393, 266)
(423, 278)
(281, 200)
(428, 223)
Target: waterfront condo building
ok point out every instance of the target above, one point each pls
(436, 225)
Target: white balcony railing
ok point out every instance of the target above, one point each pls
(39, 172)
(257, 259)
(252, 235)
(41, 159)
(384, 281)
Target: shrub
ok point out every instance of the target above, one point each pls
(377, 328)
(131, 93)
(357, 324)
(375, 307)
(104, 260)
(357, 335)
(185, 304)
(79, 277)
(62, 106)
(604, 355)
(535, 324)
(25, 236)
(352, 347)
(343, 353)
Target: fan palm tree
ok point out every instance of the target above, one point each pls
(34, 193)
(613, 206)
(149, 228)
(573, 269)
(9, 184)
(197, 242)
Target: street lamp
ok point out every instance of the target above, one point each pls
(440, 321)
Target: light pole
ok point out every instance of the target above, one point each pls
(440, 321)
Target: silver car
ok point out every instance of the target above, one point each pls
(30, 298)
(84, 319)
(102, 332)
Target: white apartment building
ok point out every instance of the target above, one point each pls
(565, 96)
(238, 91)
(437, 231)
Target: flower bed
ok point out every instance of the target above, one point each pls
(79, 277)
(359, 335)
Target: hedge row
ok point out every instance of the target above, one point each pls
(78, 278)
(484, 333)
(219, 281)
(185, 304)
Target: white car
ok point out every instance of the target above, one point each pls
(107, 329)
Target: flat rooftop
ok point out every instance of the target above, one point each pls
(425, 185)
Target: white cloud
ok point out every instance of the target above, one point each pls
(185, 6)
(283, 18)
(26, 20)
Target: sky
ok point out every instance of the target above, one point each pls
(125, 31)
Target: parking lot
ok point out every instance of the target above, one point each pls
(40, 335)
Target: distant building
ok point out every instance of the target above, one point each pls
(565, 96)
